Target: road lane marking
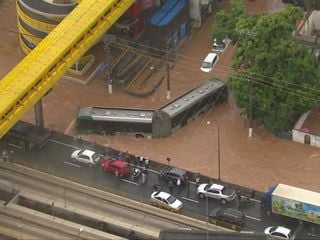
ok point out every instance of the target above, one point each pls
(128, 181)
(65, 144)
(75, 165)
(191, 200)
(251, 199)
(257, 219)
(70, 126)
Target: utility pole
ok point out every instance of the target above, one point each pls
(218, 151)
(168, 70)
(250, 106)
(109, 80)
(219, 162)
(246, 33)
(39, 114)
(207, 218)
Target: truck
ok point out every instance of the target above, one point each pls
(293, 202)
(26, 136)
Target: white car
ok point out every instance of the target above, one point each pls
(279, 232)
(166, 200)
(216, 191)
(209, 62)
(85, 156)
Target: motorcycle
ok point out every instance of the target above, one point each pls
(136, 173)
(245, 202)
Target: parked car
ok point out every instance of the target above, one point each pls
(173, 174)
(209, 62)
(218, 48)
(279, 232)
(118, 167)
(88, 157)
(228, 215)
(166, 200)
(216, 191)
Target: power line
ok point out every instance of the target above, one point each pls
(260, 81)
(186, 62)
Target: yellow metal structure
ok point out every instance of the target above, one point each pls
(38, 72)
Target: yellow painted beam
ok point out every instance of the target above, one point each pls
(37, 73)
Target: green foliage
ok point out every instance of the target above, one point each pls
(284, 76)
(311, 4)
(225, 23)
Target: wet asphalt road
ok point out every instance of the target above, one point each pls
(54, 158)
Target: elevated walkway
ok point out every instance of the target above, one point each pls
(38, 72)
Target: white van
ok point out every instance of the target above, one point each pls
(209, 62)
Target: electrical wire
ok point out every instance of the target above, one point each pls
(163, 59)
(183, 62)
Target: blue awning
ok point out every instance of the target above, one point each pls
(167, 12)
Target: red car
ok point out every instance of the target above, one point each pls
(116, 166)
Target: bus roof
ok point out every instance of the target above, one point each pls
(116, 114)
(297, 194)
(191, 97)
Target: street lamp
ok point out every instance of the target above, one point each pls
(219, 160)
(207, 214)
(250, 106)
(168, 69)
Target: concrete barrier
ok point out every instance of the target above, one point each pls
(111, 197)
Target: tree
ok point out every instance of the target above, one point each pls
(284, 77)
(225, 23)
(307, 4)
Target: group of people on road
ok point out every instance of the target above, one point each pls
(140, 165)
(246, 200)
(134, 159)
(6, 155)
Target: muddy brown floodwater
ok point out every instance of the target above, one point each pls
(256, 162)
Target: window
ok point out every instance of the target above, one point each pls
(84, 157)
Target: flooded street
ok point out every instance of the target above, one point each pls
(256, 162)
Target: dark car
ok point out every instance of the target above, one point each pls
(228, 215)
(173, 174)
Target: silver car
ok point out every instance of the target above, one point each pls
(216, 191)
(219, 48)
(88, 157)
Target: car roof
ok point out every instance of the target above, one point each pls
(88, 152)
(231, 211)
(216, 186)
(283, 230)
(118, 162)
(178, 171)
(163, 195)
(210, 57)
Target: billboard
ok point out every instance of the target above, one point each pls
(295, 209)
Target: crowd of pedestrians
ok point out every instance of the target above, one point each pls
(140, 165)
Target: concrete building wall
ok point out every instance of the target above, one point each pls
(302, 135)
(311, 25)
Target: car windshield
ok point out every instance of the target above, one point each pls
(272, 229)
(206, 65)
(171, 199)
(224, 190)
(95, 157)
(218, 47)
(207, 186)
